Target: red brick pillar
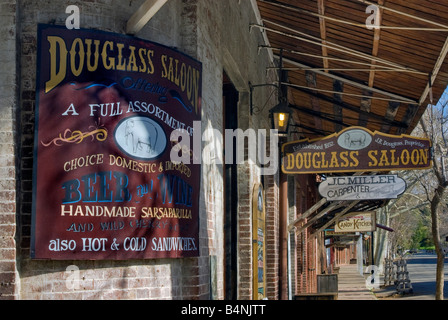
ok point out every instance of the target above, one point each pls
(272, 237)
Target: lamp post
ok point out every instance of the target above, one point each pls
(281, 113)
(280, 116)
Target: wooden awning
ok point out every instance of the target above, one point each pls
(342, 74)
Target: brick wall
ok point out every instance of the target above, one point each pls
(272, 237)
(8, 104)
(151, 279)
(214, 32)
(226, 46)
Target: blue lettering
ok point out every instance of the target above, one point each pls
(72, 193)
(97, 188)
(123, 193)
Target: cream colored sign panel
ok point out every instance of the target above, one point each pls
(358, 222)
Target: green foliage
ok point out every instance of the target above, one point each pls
(422, 237)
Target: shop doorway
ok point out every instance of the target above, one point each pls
(230, 118)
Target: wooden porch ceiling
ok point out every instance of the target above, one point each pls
(342, 74)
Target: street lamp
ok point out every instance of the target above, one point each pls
(280, 116)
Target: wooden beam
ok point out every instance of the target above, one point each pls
(391, 112)
(337, 216)
(311, 82)
(376, 44)
(352, 83)
(331, 45)
(323, 32)
(413, 108)
(313, 130)
(263, 34)
(337, 107)
(411, 111)
(307, 213)
(319, 115)
(331, 207)
(143, 14)
(444, 26)
(366, 104)
(347, 106)
(438, 65)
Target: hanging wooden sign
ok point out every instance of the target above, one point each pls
(356, 149)
(362, 187)
(356, 222)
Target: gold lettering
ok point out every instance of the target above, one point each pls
(164, 71)
(299, 161)
(405, 157)
(316, 163)
(334, 163)
(96, 55)
(344, 158)
(77, 71)
(354, 156)
(132, 64)
(121, 65)
(415, 158)
(108, 63)
(324, 162)
(56, 74)
(394, 161)
(423, 156)
(290, 161)
(151, 65)
(384, 161)
(372, 155)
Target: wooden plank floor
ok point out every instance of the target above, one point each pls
(352, 285)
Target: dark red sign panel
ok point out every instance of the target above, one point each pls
(104, 183)
(356, 149)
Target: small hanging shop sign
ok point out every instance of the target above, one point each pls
(356, 149)
(362, 187)
(357, 222)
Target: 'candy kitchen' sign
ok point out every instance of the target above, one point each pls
(356, 222)
(356, 149)
(104, 183)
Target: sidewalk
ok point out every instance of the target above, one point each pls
(352, 285)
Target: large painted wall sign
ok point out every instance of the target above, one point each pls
(104, 183)
(356, 149)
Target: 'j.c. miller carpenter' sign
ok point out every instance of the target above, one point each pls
(362, 187)
(104, 185)
(356, 149)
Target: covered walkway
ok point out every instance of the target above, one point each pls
(352, 285)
